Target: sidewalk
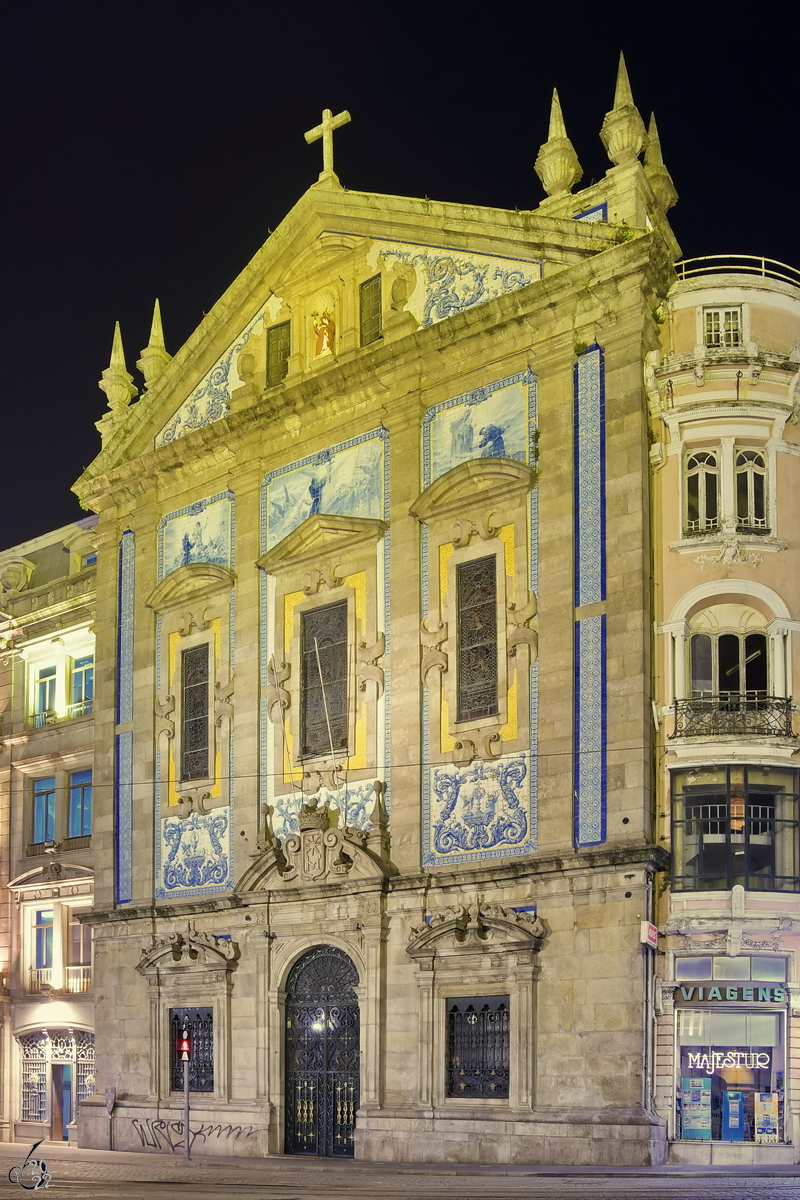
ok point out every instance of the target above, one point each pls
(126, 1165)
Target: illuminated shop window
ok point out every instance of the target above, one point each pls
(730, 1084)
(735, 825)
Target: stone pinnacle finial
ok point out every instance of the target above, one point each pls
(557, 163)
(660, 178)
(154, 356)
(623, 133)
(116, 382)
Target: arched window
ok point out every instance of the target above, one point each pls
(751, 491)
(702, 492)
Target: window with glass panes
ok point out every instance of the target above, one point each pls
(194, 713)
(323, 700)
(733, 664)
(751, 491)
(702, 492)
(43, 939)
(278, 349)
(79, 817)
(82, 689)
(45, 691)
(476, 600)
(44, 810)
(370, 310)
(722, 327)
(735, 825)
(79, 941)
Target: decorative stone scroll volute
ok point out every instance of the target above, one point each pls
(182, 952)
(482, 927)
(320, 854)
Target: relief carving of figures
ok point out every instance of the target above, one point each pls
(366, 668)
(434, 659)
(277, 695)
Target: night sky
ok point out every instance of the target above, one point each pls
(150, 148)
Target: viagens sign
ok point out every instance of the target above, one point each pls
(763, 995)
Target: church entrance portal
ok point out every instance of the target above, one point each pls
(322, 1054)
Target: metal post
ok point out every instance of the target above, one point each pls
(185, 1057)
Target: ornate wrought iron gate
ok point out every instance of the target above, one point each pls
(322, 1054)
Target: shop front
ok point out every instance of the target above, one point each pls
(730, 1038)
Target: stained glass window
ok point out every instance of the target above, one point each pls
(324, 647)
(478, 1032)
(194, 744)
(477, 639)
(278, 347)
(370, 297)
(200, 1024)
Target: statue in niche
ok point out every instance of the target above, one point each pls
(325, 329)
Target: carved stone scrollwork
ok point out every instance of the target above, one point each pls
(190, 621)
(434, 659)
(366, 668)
(177, 951)
(329, 576)
(519, 633)
(163, 709)
(489, 927)
(485, 527)
(192, 800)
(486, 745)
(277, 695)
(223, 701)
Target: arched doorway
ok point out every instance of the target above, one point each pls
(322, 1054)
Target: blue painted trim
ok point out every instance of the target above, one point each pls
(124, 816)
(598, 213)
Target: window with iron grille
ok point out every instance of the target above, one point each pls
(194, 713)
(323, 703)
(476, 598)
(278, 350)
(200, 1024)
(735, 825)
(33, 1047)
(751, 491)
(478, 1033)
(722, 327)
(370, 308)
(702, 492)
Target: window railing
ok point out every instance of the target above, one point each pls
(39, 976)
(40, 719)
(77, 843)
(81, 709)
(78, 979)
(733, 713)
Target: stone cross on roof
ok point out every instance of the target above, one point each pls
(325, 131)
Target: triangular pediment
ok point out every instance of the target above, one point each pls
(318, 537)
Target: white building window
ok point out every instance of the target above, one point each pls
(722, 327)
(60, 677)
(59, 949)
(751, 491)
(702, 492)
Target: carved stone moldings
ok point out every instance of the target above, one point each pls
(367, 669)
(278, 698)
(434, 659)
(519, 632)
(319, 854)
(467, 928)
(482, 482)
(324, 536)
(177, 952)
(15, 575)
(192, 583)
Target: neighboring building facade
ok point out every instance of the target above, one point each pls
(383, 741)
(47, 607)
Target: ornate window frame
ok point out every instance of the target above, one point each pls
(193, 606)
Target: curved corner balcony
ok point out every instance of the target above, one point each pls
(738, 264)
(743, 715)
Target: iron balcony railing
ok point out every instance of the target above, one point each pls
(732, 712)
(736, 264)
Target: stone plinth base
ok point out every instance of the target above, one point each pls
(214, 1128)
(730, 1154)
(558, 1137)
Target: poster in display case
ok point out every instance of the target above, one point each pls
(766, 1113)
(697, 1108)
(733, 1115)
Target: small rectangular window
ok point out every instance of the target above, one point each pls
(693, 968)
(768, 969)
(79, 820)
(324, 703)
(199, 1024)
(194, 713)
(371, 310)
(44, 810)
(478, 1038)
(82, 686)
(476, 599)
(45, 695)
(278, 350)
(722, 327)
(43, 934)
(79, 949)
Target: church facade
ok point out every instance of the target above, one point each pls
(385, 746)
